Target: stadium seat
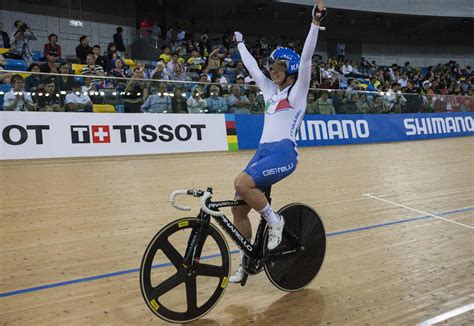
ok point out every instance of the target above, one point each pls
(77, 68)
(103, 108)
(4, 50)
(19, 65)
(37, 55)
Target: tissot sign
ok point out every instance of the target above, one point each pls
(44, 134)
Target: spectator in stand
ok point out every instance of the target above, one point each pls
(83, 49)
(237, 102)
(196, 102)
(48, 99)
(135, 93)
(195, 62)
(77, 101)
(339, 101)
(220, 78)
(118, 40)
(240, 69)
(180, 36)
(100, 60)
(205, 46)
(156, 30)
(361, 103)
(175, 60)
(215, 59)
(256, 101)
(373, 84)
(413, 99)
(160, 72)
(64, 83)
(21, 38)
(158, 103)
(324, 104)
(17, 99)
(32, 81)
(347, 69)
(203, 80)
(53, 46)
(377, 105)
(394, 100)
(4, 38)
(403, 80)
(120, 71)
(50, 66)
(144, 27)
(311, 107)
(92, 69)
(216, 103)
(178, 74)
(111, 54)
(228, 62)
(165, 56)
(178, 102)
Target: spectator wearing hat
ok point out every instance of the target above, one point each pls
(196, 102)
(216, 103)
(118, 40)
(52, 45)
(83, 49)
(77, 101)
(51, 65)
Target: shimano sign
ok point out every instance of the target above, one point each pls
(317, 130)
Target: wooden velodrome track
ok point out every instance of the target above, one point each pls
(73, 232)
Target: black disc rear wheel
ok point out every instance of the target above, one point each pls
(297, 260)
(176, 292)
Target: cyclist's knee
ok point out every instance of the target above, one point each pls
(243, 183)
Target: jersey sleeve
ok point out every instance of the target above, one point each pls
(266, 85)
(299, 92)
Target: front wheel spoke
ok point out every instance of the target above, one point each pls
(168, 285)
(173, 255)
(208, 270)
(191, 294)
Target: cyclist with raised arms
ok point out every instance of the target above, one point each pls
(276, 157)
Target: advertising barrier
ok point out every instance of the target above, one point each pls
(53, 134)
(318, 130)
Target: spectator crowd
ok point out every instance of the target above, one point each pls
(197, 73)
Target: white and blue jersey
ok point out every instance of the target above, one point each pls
(276, 155)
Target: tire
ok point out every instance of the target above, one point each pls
(293, 272)
(219, 275)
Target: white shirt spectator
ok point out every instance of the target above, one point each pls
(346, 69)
(403, 82)
(11, 96)
(196, 105)
(77, 99)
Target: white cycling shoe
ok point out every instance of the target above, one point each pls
(275, 232)
(239, 275)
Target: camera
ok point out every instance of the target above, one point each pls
(24, 27)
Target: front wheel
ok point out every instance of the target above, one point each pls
(176, 292)
(297, 260)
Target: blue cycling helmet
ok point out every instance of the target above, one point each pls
(289, 57)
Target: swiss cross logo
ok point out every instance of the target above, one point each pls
(100, 134)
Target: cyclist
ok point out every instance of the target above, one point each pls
(276, 156)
